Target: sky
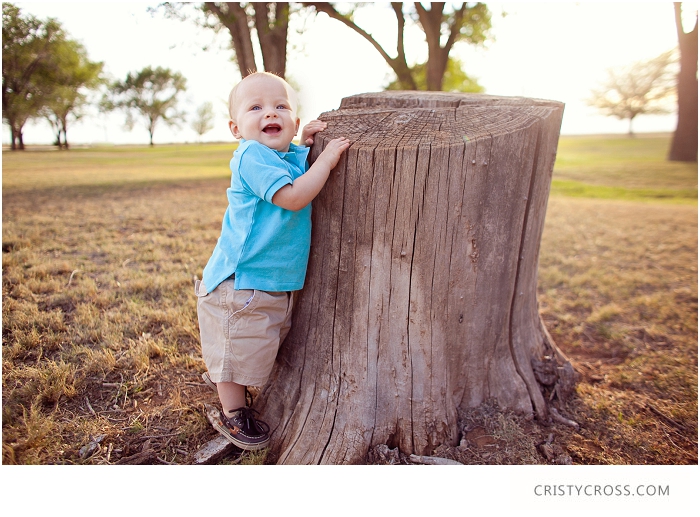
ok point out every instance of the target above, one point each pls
(549, 50)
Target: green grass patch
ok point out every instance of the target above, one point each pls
(578, 189)
(603, 167)
(620, 167)
(117, 165)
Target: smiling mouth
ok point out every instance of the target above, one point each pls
(272, 129)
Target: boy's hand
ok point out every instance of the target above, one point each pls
(333, 150)
(310, 129)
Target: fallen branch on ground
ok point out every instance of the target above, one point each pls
(560, 419)
(432, 460)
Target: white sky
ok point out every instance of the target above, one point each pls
(554, 50)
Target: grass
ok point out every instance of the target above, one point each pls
(100, 347)
(109, 166)
(618, 293)
(622, 168)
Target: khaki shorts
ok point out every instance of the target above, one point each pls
(241, 331)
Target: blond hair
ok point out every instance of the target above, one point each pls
(233, 100)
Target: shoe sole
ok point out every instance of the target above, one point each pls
(213, 417)
(207, 380)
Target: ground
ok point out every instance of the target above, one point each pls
(100, 343)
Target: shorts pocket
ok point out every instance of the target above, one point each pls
(244, 299)
(200, 289)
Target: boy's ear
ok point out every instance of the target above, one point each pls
(297, 130)
(234, 129)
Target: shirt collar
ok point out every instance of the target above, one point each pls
(297, 154)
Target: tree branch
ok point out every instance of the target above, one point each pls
(400, 24)
(455, 27)
(326, 7)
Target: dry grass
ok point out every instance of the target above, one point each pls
(618, 292)
(100, 348)
(99, 326)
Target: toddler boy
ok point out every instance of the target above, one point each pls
(246, 295)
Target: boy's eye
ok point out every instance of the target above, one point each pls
(255, 108)
(282, 107)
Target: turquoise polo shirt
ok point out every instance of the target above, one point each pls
(265, 246)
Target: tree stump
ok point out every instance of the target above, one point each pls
(420, 297)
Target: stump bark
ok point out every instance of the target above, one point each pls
(420, 297)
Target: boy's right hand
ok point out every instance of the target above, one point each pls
(331, 153)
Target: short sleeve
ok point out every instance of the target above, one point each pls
(263, 172)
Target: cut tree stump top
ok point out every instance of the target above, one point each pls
(409, 118)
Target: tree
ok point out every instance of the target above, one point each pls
(204, 119)
(28, 45)
(420, 297)
(269, 21)
(151, 94)
(684, 146)
(642, 88)
(72, 74)
(470, 24)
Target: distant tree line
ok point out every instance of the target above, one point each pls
(47, 75)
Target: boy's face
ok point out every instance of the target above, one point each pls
(265, 113)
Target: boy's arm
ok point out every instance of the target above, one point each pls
(306, 187)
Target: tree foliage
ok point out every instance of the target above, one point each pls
(44, 73)
(684, 146)
(151, 95)
(643, 88)
(28, 45)
(443, 28)
(454, 80)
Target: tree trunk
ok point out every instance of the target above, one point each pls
(420, 297)
(13, 138)
(271, 23)
(684, 146)
(235, 19)
(431, 22)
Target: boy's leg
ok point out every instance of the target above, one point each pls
(237, 423)
(231, 395)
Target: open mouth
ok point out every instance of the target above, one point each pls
(272, 129)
